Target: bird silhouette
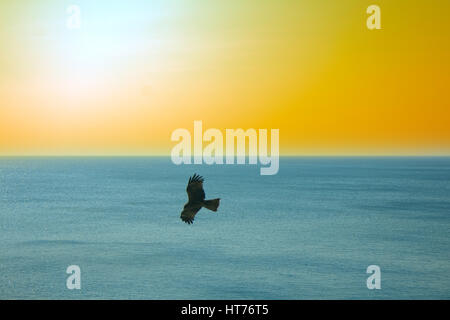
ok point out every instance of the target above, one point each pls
(196, 196)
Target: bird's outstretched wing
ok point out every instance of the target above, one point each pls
(195, 189)
(189, 213)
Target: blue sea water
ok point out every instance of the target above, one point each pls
(309, 232)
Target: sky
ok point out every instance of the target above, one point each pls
(135, 71)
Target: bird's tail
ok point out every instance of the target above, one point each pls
(211, 204)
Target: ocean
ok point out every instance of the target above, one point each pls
(309, 232)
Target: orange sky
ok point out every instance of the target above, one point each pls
(138, 70)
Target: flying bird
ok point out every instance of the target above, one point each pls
(196, 196)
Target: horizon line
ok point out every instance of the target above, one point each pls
(168, 156)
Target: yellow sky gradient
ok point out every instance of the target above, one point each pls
(138, 70)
